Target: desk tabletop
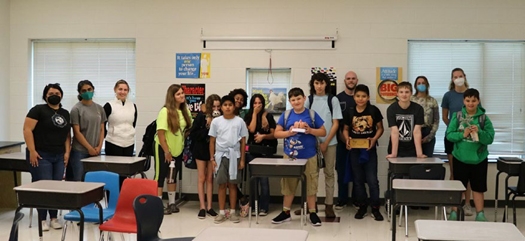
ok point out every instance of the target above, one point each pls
(4, 144)
(415, 160)
(428, 185)
(114, 159)
(462, 231)
(59, 187)
(278, 161)
(13, 156)
(252, 234)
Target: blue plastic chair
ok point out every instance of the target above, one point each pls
(91, 211)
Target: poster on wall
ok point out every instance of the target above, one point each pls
(187, 65)
(275, 98)
(195, 96)
(387, 79)
(205, 66)
(331, 75)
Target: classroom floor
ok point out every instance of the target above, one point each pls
(186, 224)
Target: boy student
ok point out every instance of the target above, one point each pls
(405, 119)
(300, 145)
(327, 106)
(227, 153)
(364, 122)
(471, 131)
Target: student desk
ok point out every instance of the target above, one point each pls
(12, 164)
(51, 194)
(123, 165)
(471, 231)
(252, 234)
(278, 167)
(512, 169)
(400, 166)
(426, 193)
(16, 162)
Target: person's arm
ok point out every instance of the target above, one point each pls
(319, 132)
(394, 138)
(67, 151)
(29, 126)
(444, 116)
(252, 126)
(136, 116)
(346, 136)
(212, 151)
(417, 141)
(331, 134)
(379, 133)
(435, 123)
(107, 110)
(486, 136)
(243, 152)
(82, 140)
(280, 133)
(164, 145)
(453, 134)
(98, 148)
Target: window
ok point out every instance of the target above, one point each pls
(67, 62)
(273, 84)
(494, 68)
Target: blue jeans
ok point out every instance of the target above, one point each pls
(75, 169)
(428, 148)
(50, 167)
(340, 166)
(365, 172)
(264, 197)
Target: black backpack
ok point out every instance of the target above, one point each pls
(148, 144)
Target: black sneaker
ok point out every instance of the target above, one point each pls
(202, 214)
(340, 205)
(282, 217)
(172, 208)
(314, 219)
(376, 214)
(211, 212)
(361, 212)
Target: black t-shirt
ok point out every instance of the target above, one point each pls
(260, 130)
(405, 120)
(347, 103)
(364, 124)
(52, 128)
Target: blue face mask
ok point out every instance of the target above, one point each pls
(421, 88)
(88, 95)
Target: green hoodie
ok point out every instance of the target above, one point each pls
(465, 149)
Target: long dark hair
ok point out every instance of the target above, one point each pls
(248, 116)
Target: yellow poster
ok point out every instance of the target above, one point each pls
(205, 66)
(387, 79)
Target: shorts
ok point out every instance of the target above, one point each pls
(449, 146)
(289, 185)
(162, 168)
(476, 174)
(223, 173)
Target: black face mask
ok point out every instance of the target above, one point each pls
(53, 100)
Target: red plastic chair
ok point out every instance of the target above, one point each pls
(124, 219)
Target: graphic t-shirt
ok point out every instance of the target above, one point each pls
(300, 145)
(363, 125)
(405, 120)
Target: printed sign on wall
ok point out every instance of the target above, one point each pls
(195, 96)
(387, 79)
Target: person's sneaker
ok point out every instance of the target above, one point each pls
(453, 216)
(227, 213)
(212, 212)
(55, 224)
(235, 218)
(172, 208)
(340, 205)
(314, 219)
(245, 206)
(263, 213)
(219, 218)
(329, 211)
(376, 214)
(356, 205)
(467, 209)
(45, 226)
(361, 212)
(282, 217)
(202, 214)
(481, 217)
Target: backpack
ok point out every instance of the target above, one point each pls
(187, 155)
(148, 144)
(330, 97)
(481, 119)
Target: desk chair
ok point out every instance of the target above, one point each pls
(423, 172)
(149, 213)
(517, 191)
(14, 228)
(123, 221)
(91, 212)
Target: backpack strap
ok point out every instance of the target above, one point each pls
(312, 116)
(481, 120)
(286, 115)
(310, 101)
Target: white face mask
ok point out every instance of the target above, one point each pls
(459, 81)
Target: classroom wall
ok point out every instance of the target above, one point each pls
(371, 34)
(4, 69)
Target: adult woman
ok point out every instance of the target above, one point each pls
(173, 120)
(47, 136)
(431, 108)
(87, 119)
(121, 114)
(201, 152)
(260, 136)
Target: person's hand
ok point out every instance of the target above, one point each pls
(213, 162)
(392, 155)
(265, 125)
(307, 129)
(257, 109)
(259, 137)
(372, 142)
(92, 151)
(474, 129)
(290, 132)
(241, 164)
(33, 158)
(424, 140)
(66, 158)
(466, 132)
(98, 149)
(167, 157)
(348, 143)
(323, 146)
(421, 156)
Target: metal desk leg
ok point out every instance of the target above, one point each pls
(16, 181)
(81, 238)
(303, 201)
(389, 190)
(256, 196)
(251, 198)
(506, 212)
(496, 197)
(393, 222)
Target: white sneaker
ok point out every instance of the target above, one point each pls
(467, 209)
(45, 226)
(55, 224)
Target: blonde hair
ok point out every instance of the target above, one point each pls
(121, 82)
(452, 85)
(173, 106)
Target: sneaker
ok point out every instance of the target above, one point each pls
(227, 213)
(314, 219)
(55, 224)
(282, 217)
(45, 226)
(245, 206)
(467, 209)
(235, 218)
(329, 211)
(172, 208)
(202, 214)
(361, 212)
(212, 212)
(219, 218)
(453, 216)
(263, 213)
(481, 217)
(340, 205)
(356, 205)
(376, 214)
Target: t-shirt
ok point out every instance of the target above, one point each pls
(364, 124)
(347, 103)
(260, 130)
(228, 133)
(175, 140)
(405, 120)
(89, 118)
(320, 105)
(51, 130)
(300, 145)
(453, 101)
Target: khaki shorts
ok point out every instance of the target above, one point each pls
(289, 185)
(223, 174)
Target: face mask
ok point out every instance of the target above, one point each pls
(421, 88)
(53, 100)
(459, 81)
(88, 95)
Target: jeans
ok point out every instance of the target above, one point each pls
(428, 148)
(264, 197)
(340, 167)
(50, 167)
(75, 169)
(365, 172)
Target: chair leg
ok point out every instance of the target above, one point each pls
(445, 213)
(406, 221)
(514, 209)
(64, 230)
(30, 217)
(435, 212)
(101, 236)
(401, 214)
